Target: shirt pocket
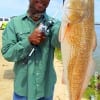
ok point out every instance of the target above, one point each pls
(22, 35)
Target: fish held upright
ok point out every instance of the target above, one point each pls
(77, 35)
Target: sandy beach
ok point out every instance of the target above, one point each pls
(6, 79)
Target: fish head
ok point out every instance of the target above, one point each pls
(75, 10)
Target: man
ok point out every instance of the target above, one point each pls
(33, 53)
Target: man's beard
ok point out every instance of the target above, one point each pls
(37, 15)
(34, 13)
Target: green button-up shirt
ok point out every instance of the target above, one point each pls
(34, 76)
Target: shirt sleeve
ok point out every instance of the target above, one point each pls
(55, 34)
(14, 50)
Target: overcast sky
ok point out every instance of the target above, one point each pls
(10, 8)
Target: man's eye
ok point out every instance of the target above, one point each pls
(44, 2)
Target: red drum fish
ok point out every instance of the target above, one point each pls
(78, 38)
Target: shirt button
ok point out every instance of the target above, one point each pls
(37, 74)
(37, 85)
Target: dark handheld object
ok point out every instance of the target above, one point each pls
(45, 27)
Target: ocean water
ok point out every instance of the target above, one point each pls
(97, 51)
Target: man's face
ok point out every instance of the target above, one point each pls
(39, 5)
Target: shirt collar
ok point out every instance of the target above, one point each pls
(24, 16)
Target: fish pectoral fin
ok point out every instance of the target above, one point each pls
(64, 30)
(68, 27)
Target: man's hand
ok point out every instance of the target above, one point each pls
(36, 37)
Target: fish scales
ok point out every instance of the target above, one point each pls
(78, 39)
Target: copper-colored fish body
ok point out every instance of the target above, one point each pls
(77, 35)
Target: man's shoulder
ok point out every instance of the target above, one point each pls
(54, 19)
(19, 17)
(16, 20)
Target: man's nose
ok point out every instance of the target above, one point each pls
(40, 5)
